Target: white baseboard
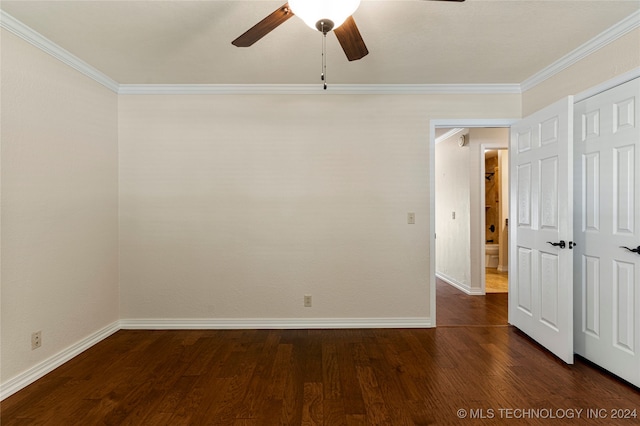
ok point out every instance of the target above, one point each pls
(502, 268)
(460, 286)
(272, 323)
(24, 379)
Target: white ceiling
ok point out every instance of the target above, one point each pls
(410, 42)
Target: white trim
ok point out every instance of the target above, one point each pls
(38, 40)
(272, 323)
(29, 35)
(315, 89)
(449, 134)
(609, 84)
(459, 285)
(431, 237)
(618, 30)
(38, 371)
(610, 35)
(473, 122)
(34, 373)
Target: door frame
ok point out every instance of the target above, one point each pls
(440, 123)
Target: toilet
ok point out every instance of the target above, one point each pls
(491, 255)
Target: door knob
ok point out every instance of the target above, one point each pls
(635, 250)
(562, 244)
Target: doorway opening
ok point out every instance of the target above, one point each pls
(460, 248)
(496, 220)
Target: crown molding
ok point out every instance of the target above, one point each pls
(610, 35)
(449, 134)
(33, 37)
(315, 89)
(16, 27)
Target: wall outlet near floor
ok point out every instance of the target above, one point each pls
(36, 339)
(307, 301)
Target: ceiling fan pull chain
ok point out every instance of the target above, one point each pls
(323, 76)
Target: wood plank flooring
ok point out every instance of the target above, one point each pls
(496, 282)
(472, 361)
(457, 308)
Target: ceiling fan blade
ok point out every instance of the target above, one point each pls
(264, 27)
(351, 40)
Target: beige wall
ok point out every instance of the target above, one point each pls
(610, 61)
(237, 206)
(59, 206)
(453, 195)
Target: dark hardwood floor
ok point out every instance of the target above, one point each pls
(471, 362)
(456, 308)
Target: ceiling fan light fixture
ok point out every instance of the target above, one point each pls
(314, 11)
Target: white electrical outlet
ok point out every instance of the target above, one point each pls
(307, 301)
(36, 339)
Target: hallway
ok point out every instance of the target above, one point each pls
(455, 308)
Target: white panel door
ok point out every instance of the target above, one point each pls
(541, 284)
(607, 191)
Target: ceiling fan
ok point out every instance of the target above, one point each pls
(323, 15)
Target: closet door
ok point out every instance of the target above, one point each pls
(541, 208)
(607, 219)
